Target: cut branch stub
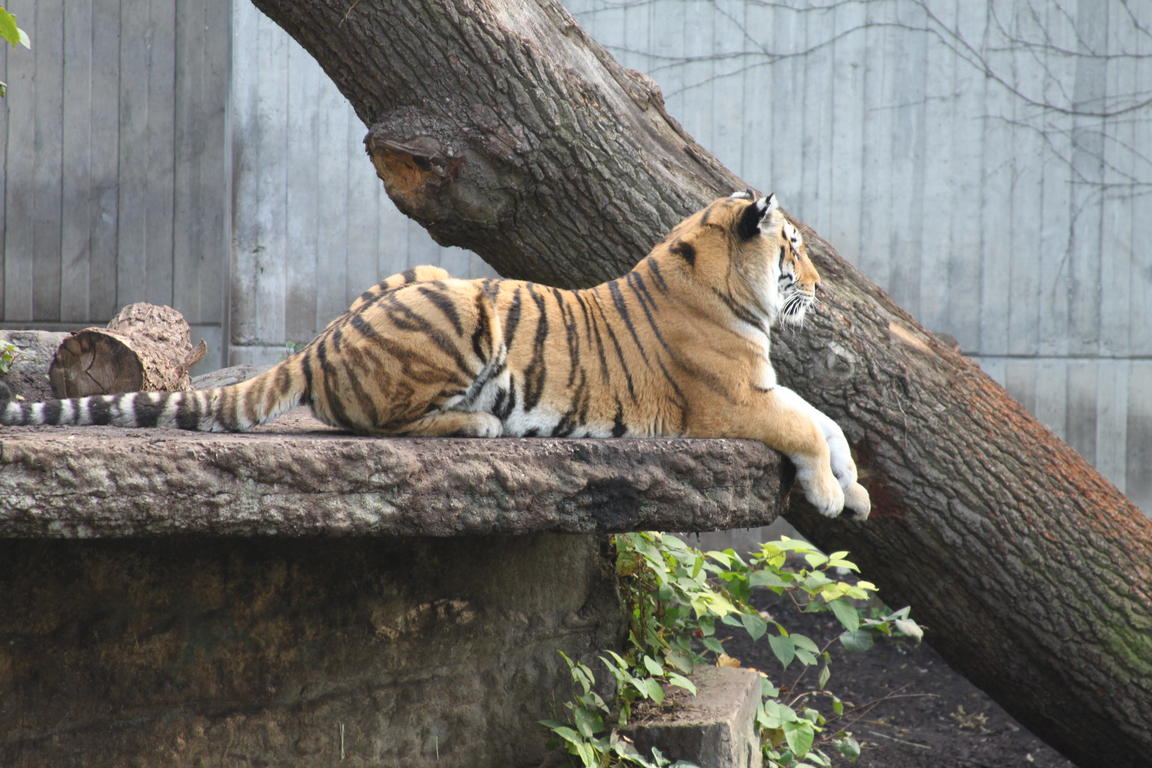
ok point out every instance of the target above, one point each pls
(144, 347)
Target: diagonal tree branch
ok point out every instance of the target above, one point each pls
(501, 127)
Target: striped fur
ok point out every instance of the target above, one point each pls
(678, 346)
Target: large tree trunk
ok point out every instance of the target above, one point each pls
(502, 128)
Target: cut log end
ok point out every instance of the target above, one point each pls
(144, 347)
(95, 362)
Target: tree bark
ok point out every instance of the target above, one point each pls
(501, 127)
(144, 347)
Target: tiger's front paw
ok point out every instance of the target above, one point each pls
(824, 492)
(857, 503)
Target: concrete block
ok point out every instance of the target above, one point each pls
(716, 728)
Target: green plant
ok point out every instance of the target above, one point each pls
(679, 598)
(8, 354)
(14, 35)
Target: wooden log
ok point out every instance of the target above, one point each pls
(144, 347)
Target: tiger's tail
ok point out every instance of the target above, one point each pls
(234, 408)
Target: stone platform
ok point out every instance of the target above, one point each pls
(298, 596)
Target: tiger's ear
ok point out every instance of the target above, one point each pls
(749, 224)
(747, 194)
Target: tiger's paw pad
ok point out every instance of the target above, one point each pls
(828, 500)
(857, 503)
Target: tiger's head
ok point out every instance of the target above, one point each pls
(744, 248)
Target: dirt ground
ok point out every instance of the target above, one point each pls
(903, 703)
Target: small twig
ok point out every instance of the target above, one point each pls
(348, 13)
(902, 741)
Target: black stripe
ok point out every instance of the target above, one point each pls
(592, 331)
(647, 304)
(531, 432)
(409, 276)
(618, 426)
(619, 352)
(328, 376)
(577, 414)
(445, 305)
(570, 334)
(356, 356)
(99, 410)
(306, 366)
(512, 319)
(579, 295)
(411, 321)
(483, 329)
(739, 310)
(537, 368)
(146, 413)
(505, 401)
(50, 413)
(676, 388)
(188, 411)
(622, 309)
(684, 250)
(657, 276)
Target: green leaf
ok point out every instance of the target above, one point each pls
(784, 648)
(8, 29)
(799, 735)
(588, 723)
(849, 747)
(10, 32)
(847, 614)
(587, 755)
(566, 733)
(649, 688)
(682, 682)
(774, 715)
(713, 645)
(822, 678)
(770, 579)
(680, 661)
(654, 668)
(816, 559)
(724, 558)
(909, 628)
(856, 641)
(754, 625)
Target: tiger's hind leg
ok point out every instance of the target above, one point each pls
(453, 424)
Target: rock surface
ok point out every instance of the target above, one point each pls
(296, 596)
(296, 477)
(28, 377)
(422, 653)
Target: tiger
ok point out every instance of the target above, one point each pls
(677, 347)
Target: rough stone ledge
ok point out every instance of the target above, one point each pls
(296, 477)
